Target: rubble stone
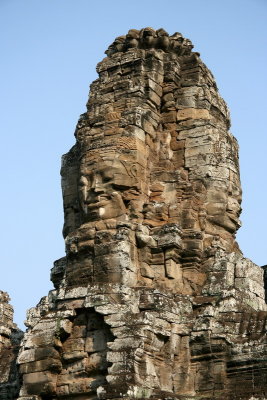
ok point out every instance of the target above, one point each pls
(10, 337)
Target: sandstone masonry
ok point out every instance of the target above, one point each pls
(10, 337)
(154, 298)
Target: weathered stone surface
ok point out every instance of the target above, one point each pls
(10, 337)
(265, 281)
(153, 298)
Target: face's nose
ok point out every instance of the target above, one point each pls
(83, 186)
(97, 184)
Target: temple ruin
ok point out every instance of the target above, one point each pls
(153, 299)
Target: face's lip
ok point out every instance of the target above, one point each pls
(232, 215)
(103, 200)
(97, 204)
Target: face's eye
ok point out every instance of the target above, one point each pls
(107, 175)
(83, 181)
(107, 179)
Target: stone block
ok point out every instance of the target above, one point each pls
(40, 383)
(173, 270)
(193, 113)
(95, 341)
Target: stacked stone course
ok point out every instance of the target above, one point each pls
(154, 298)
(10, 337)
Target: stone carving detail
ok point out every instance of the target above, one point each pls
(153, 298)
(148, 38)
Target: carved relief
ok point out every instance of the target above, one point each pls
(153, 295)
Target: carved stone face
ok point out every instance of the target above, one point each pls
(188, 44)
(132, 38)
(148, 35)
(178, 40)
(101, 189)
(223, 210)
(233, 210)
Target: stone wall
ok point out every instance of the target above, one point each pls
(10, 337)
(153, 299)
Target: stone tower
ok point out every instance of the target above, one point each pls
(153, 298)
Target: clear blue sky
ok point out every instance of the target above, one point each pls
(49, 50)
